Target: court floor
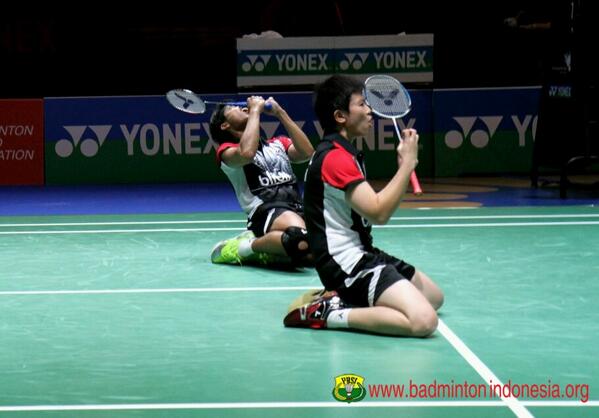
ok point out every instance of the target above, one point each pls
(124, 315)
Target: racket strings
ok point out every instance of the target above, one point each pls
(387, 97)
(186, 101)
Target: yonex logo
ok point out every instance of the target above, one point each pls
(355, 61)
(255, 62)
(89, 146)
(286, 62)
(405, 59)
(387, 99)
(479, 137)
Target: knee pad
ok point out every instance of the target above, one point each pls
(291, 239)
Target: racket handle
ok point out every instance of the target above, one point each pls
(416, 189)
(267, 106)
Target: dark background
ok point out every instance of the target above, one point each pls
(125, 48)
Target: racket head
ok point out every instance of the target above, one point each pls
(186, 101)
(387, 97)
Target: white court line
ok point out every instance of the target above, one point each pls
(419, 218)
(490, 224)
(289, 405)
(518, 407)
(220, 221)
(167, 290)
(118, 231)
(481, 368)
(409, 226)
(192, 222)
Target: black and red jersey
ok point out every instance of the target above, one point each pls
(338, 235)
(268, 179)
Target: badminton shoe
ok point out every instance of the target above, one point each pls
(314, 314)
(227, 251)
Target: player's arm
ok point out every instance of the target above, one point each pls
(379, 207)
(249, 141)
(301, 150)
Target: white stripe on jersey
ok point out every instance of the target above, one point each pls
(247, 200)
(343, 243)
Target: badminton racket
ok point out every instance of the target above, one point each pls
(189, 102)
(389, 99)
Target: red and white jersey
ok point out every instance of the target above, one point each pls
(268, 178)
(338, 235)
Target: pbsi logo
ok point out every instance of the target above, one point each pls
(88, 146)
(349, 388)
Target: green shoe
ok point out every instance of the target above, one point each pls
(227, 251)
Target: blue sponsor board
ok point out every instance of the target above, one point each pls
(484, 131)
(125, 140)
(143, 139)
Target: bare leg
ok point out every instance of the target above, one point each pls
(429, 289)
(271, 242)
(401, 310)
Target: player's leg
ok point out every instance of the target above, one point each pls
(272, 241)
(285, 235)
(384, 301)
(429, 289)
(277, 232)
(269, 243)
(401, 309)
(256, 245)
(419, 279)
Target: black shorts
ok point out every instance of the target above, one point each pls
(262, 219)
(373, 274)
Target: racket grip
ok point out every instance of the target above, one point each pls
(267, 106)
(416, 189)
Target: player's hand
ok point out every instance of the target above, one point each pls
(255, 104)
(272, 107)
(407, 150)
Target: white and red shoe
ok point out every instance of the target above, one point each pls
(314, 314)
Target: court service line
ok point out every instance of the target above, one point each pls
(286, 405)
(221, 221)
(481, 368)
(155, 230)
(163, 290)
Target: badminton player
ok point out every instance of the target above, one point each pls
(373, 291)
(266, 187)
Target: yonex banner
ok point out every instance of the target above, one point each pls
(145, 140)
(21, 142)
(125, 140)
(484, 131)
(267, 62)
